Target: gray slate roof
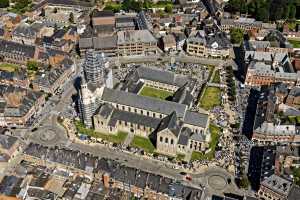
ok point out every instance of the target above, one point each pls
(7, 141)
(161, 76)
(195, 118)
(16, 48)
(133, 36)
(170, 123)
(147, 103)
(184, 136)
(133, 118)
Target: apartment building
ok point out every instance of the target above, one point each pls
(207, 45)
(266, 68)
(138, 42)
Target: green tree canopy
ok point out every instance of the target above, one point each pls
(71, 18)
(236, 35)
(32, 65)
(4, 3)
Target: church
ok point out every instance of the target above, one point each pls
(170, 124)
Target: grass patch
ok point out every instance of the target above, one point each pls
(197, 156)
(214, 130)
(142, 143)
(210, 68)
(210, 98)
(118, 138)
(216, 78)
(8, 67)
(295, 43)
(180, 157)
(156, 93)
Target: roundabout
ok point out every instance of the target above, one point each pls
(217, 182)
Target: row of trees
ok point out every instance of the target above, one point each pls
(266, 10)
(4, 3)
(137, 6)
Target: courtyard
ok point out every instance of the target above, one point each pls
(211, 98)
(156, 93)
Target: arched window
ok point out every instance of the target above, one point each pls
(172, 141)
(161, 139)
(166, 140)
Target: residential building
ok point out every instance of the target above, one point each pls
(17, 78)
(105, 17)
(169, 43)
(9, 146)
(18, 105)
(125, 22)
(268, 127)
(211, 45)
(104, 175)
(266, 68)
(293, 98)
(246, 24)
(144, 21)
(16, 52)
(138, 42)
(106, 45)
(265, 46)
(24, 34)
(275, 187)
(50, 81)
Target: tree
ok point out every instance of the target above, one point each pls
(168, 8)
(32, 65)
(4, 3)
(71, 18)
(292, 13)
(236, 35)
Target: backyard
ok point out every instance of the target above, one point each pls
(8, 67)
(142, 143)
(118, 138)
(210, 98)
(214, 130)
(156, 93)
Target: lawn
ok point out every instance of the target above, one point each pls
(295, 43)
(180, 157)
(142, 143)
(210, 98)
(8, 67)
(156, 93)
(210, 68)
(214, 130)
(118, 138)
(216, 78)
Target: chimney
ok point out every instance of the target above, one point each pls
(106, 180)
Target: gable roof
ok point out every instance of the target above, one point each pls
(170, 122)
(142, 102)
